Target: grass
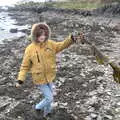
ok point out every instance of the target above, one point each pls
(75, 5)
(67, 5)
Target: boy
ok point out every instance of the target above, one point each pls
(40, 59)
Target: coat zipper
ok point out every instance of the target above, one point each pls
(38, 57)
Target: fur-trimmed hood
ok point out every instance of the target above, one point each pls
(36, 27)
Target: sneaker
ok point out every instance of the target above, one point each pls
(54, 105)
(48, 116)
(38, 113)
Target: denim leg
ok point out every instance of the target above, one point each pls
(51, 86)
(48, 107)
(48, 98)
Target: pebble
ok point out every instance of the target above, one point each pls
(93, 115)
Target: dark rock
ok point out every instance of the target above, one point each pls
(24, 31)
(14, 30)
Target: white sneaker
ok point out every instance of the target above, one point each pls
(54, 104)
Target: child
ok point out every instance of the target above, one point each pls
(40, 59)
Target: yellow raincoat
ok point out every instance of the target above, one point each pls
(40, 58)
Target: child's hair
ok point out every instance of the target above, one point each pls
(40, 32)
(39, 29)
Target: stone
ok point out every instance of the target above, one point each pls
(93, 115)
(118, 103)
(92, 93)
(14, 30)
(88, 118)
(109, 117)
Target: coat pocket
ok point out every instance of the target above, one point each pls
(37, 77)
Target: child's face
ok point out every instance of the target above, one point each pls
(41, 38)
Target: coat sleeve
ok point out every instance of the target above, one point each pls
(25, 66)
(59, 46)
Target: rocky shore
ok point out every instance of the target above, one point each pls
(86, 90)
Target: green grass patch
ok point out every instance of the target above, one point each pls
(67, 5)
(75, 5)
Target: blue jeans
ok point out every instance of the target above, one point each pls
(45, 104)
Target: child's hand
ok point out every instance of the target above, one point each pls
(81, 38)
(17, 85)
(78, 37)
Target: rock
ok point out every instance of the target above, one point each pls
(62, 80)
(93, 115)
(102, 28)
(14, 30)
(88, 118)
(99, 117)
(108, 117)
(24, 30)
(118, 103)
(92, 93)
(63, 104)
(91, 109)
(78, 102)
(92, 100)
(117, 109)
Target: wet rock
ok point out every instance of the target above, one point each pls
(14, 30)
(24, 31)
